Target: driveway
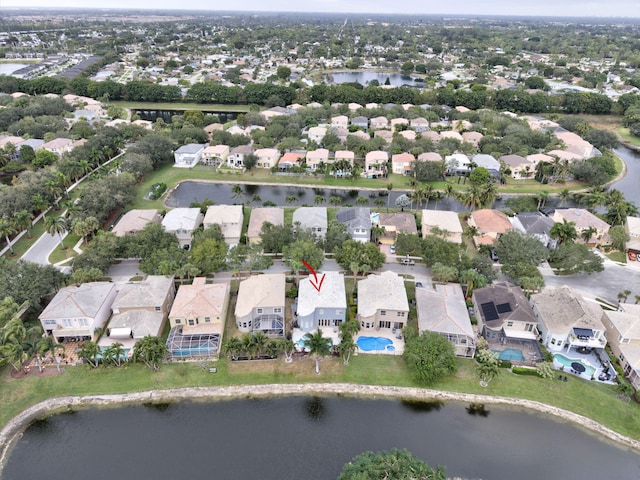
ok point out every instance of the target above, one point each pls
(39, 252)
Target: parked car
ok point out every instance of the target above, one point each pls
(493, 255)
(392, 249)
(419, 285)
(407, 261)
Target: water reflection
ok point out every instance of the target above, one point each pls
(160, 407)
(477, 410)
(315, 409)
(424, 406)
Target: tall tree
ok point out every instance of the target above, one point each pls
(318, 346)
(429, 356)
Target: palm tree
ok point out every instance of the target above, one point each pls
(472, 279)
(318, 200)
(318, 346)
(39, 204)
(257, 199)
(48, 344)
(187, 270)
(346, 348)
(118, 353)
(564, 195)
(13, 353)
(488, 194)
(22, 220)
(56, 225)
(257, 343)
(237, 192)
(89, 352)
(389, 188)
(362, 201)
(233, 347)
(587, 233)
(470, 231)
(335, 201)
(488, 366)
(7, 228)
(290, 199)
(378, 202)
(288, 346)
(151, 351)
(542, 198)
(565, 231)
(350, 328)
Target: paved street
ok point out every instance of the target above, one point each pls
(42, 248)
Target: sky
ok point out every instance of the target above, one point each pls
(573, 8)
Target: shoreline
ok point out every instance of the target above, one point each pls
(14, 429)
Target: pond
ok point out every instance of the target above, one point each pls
(364, 78)
(309, 438)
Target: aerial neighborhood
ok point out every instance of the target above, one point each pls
(232, 209)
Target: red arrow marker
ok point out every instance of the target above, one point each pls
(314, 282)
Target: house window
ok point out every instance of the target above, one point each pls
(84, 322)
(158, 309)
(400, 314)
(321, 311)
(553, 341)
(509, 324)
(277, 310)
(178, 321)
(207, 319)
(324, 322)
(385, 324)
(258, 311)
(192, 321)
(66, 322)
(383, 313)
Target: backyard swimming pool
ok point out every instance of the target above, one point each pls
(509, 354)
(368, 344)
(566, 363)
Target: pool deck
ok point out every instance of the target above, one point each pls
(398, 343)
(589, 358)
(529, 348)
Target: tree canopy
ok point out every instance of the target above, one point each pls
(429, 356)
(395, 464)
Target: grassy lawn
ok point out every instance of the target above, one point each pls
(617, 256)
(63, 253)
(22, 245)
(627, 137)
(591, 399)
(205, 107)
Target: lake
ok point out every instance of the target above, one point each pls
(309, 438)
(9, 68)
(363, 78)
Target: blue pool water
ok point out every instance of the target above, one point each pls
(368, 344)
(511, 354)
(566, 362)
(193, 351)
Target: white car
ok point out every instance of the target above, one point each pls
(392, 249)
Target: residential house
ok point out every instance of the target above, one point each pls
(353, 107)
(361, 122)
(632, 226)
(316, 134)
(490, 224)
(197, 319)
(408, 134)
(564, 155)
(34, 143)
(237, 156)
(420, 124)
(395, 122)
(139, 309)
(443, 310)
(188, 156)
(311, 218)
(357, 221)
(230, 219)
(260, 216)
(347, 155)
(576, 144)
(379, 123)
(565, 319)
(472, 137)
(77, 311)
(489, 162)
(451, 134)
(183, 222)
(584, 220)
(261, 305)
(59, 146)
(340, 121)
(289, 160)
(520, 166)
(317, 157)
(433, 136)
(623, 337)
(372, 106)
(135, 220)
(445, 223)
(326, 307)
(382, 303)
(430, 157)
(536, 224)
(402, 163)
(267, 157)
(503, 313)
(395, 223)
(536, 158)
(215, 155)
(375, 164)
(457, 164)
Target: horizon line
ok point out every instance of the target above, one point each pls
(253, 11)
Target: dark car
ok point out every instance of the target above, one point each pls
(493, 255)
